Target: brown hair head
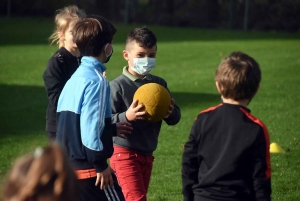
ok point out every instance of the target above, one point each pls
(63, 19)
(44, 176)
(142, 36)
(238, 76)
(92, 34)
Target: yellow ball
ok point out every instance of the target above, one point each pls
(156, 100)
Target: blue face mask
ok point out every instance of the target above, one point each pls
(143, 65)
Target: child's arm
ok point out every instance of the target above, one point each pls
(190, 164)
(54, 79)
(133, 112)
(116, 101)
(121, 129)
(261, 167)
(95, 127)
(173, 115)
(119, 111)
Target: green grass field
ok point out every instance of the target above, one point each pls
(187, 59)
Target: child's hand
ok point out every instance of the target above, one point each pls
(123, 128)
(133, 113)
(104, 178)
(104, 74)
(170, 108)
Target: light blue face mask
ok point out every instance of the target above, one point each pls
(143, 66)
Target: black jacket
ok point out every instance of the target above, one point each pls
(59, 69)
(227, 157)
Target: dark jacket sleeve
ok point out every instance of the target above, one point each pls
(190, 164)
(261, 168)
(97, 158)
(54, 80)
(114, 129)
(175, 116)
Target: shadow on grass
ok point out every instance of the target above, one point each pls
(17, 31)
(195, 100)
(22, 109)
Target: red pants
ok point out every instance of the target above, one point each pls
(133, 171)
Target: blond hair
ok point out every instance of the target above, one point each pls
(63, 19)
(43, 176)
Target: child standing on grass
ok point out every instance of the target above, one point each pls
(132, 159)
(84, 126)
(63, 63)
(227, 155)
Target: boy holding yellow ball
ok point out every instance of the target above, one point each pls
(132, 158)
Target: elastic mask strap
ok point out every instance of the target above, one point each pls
(111, 50)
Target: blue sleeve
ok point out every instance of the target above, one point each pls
(95, 111)
(92, 119)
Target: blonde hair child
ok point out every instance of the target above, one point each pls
(64, 18)
(63, 63)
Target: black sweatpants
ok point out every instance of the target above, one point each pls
(90, 192)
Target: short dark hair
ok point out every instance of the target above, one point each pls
(143, 36)
(92, 33)
(238, 76)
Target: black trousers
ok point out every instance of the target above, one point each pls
(90, 192)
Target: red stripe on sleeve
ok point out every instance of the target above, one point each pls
(266, 134)
(211, 108)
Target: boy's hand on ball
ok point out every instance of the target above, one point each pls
(123, 128)
(170, 108)
(134, 112)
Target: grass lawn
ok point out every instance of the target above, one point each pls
(187, 59)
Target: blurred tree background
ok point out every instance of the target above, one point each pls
(267, 15)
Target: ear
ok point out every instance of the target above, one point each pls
(61, 36)
(125, 55)
(218, 87)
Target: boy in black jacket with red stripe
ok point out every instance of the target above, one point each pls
(227, 155)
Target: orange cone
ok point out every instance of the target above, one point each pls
(275, 148)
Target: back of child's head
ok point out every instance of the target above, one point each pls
(142, 36)
(238, 76)
(43, 176)
(92, 34)
(64, 18)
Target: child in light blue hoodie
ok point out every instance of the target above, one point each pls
(84, 127)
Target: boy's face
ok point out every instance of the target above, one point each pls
(134, 50)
